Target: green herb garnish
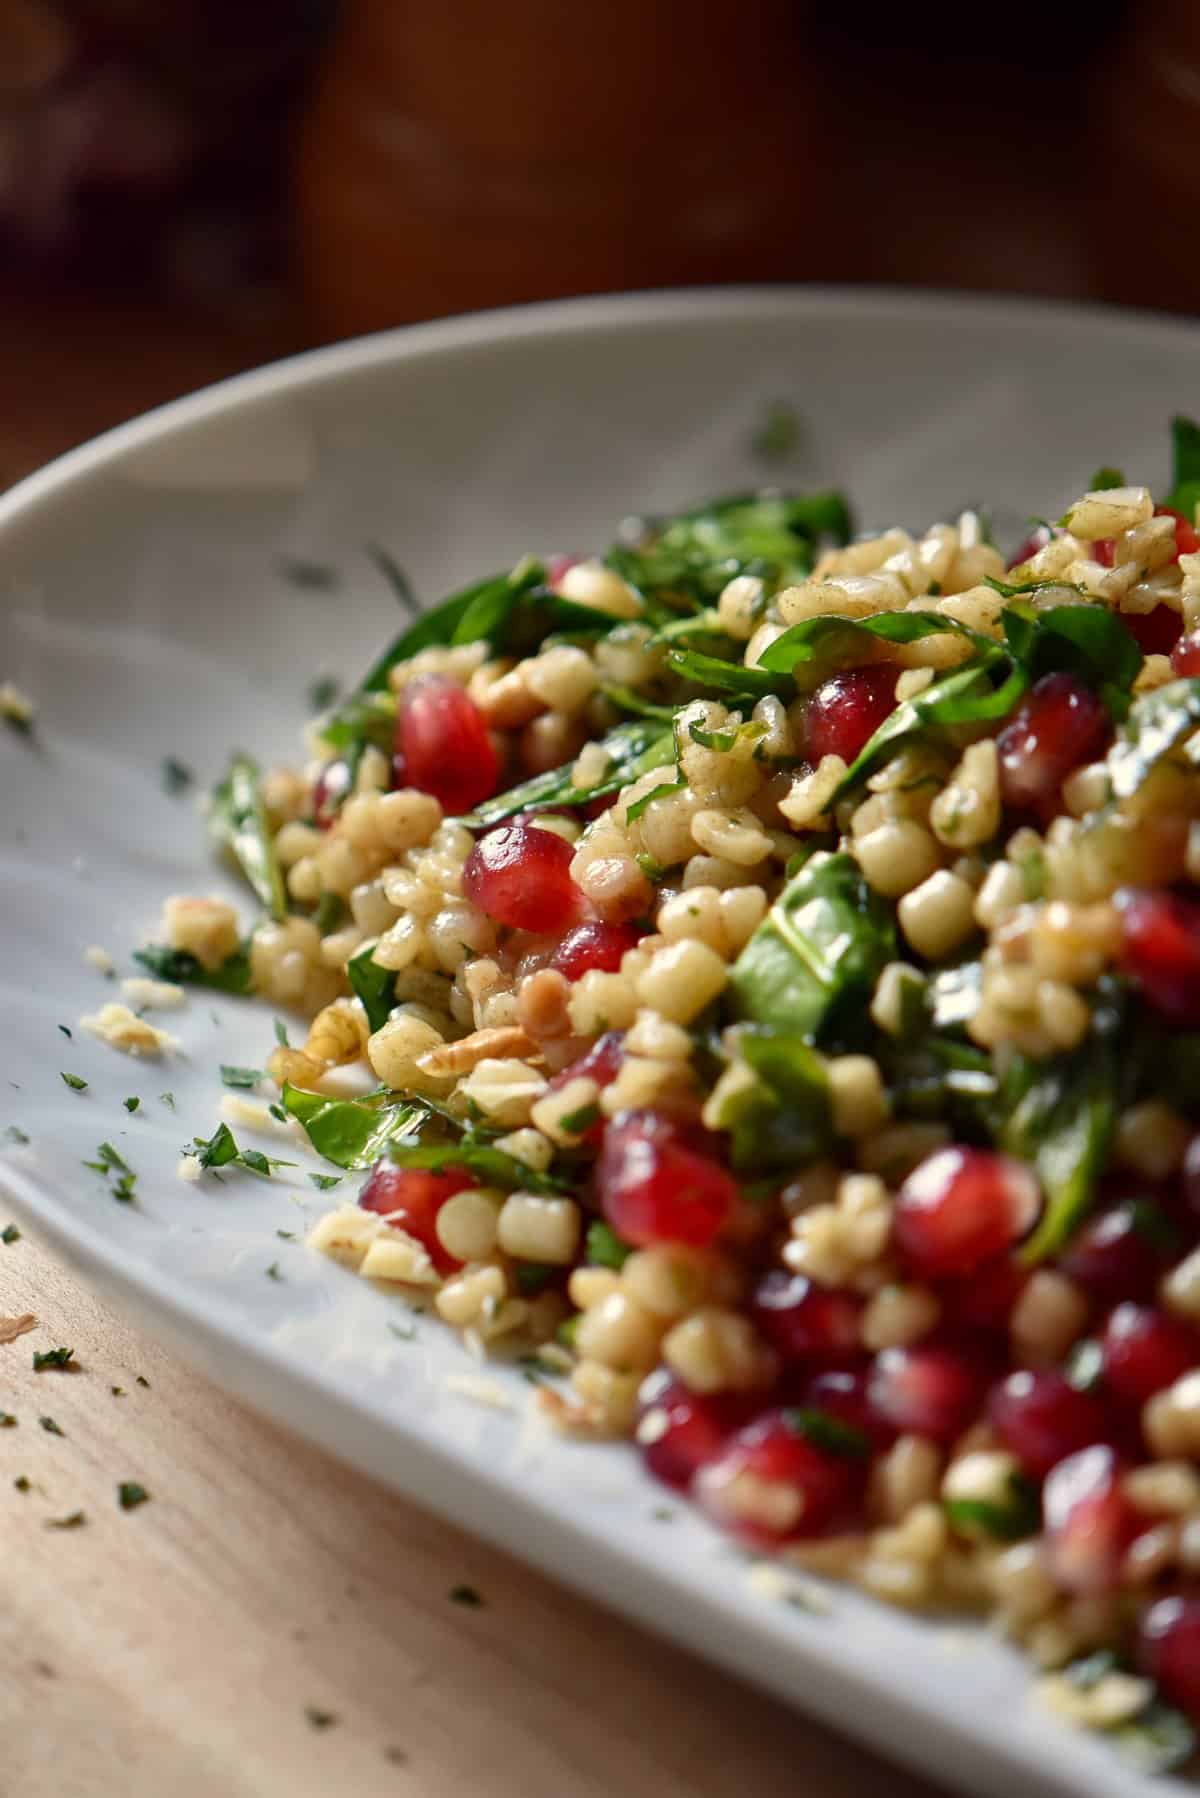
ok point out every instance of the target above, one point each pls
(74, 1081)
(177, 777)
(55, 1357)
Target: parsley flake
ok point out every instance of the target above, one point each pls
(325, 1182)
(7, 1421)
(23, 1483)
(322, 693)
(467, 1595)
(65, 1031)
(273, 1272)
(281, 1035)
(177, 777)
(131, 1105)
(286, 1235)
(320, 1719)
(242, 1078)
(15, 1136)
(130, 1495)
(74, 1082)
(167, 1099)
(50, 1427)
(308, 576)
(55, 1357)
(9, 1235)
(142, 1380)
(117, 1391)
(75, 1521)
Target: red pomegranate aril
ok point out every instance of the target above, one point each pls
(1187, 542)
(1104, 551)
(804, 1321)
(594, 944)
(1059, 724)
(841, 1392)
(333, 784)
(960, 1208)
(984, 1300)
(1156, 633)
(1160, 949)
(1185, 657)
(1087, 1520)
(412, 1198)
(600, 1063)
(1041, 1418)
(1037, 539)
(845, 711)
(1145, 1350)
(1122, 1253)
(929, 1389)
(443, 745)
(654, 1187)
(679, 1431)
(771, 1484)
(1169, 1650)
(521, 875)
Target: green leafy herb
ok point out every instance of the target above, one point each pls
(352, 1133)
(982, 691)
(632, 749)
(9, 1235)
(117, 1391)
(375, 986)
(812, 963)
(50, 1427)
(828, 1433)
(1105, 479)
(242, 1079)
(1010, 1520)
(402, 1332)
(184, 969)
(782, 1119)
(717, 676)
(238, 822)
(466, 1595)
(636, 807)
(109, 1162)
(492, 1165)
(65, 1031)
(74, 1082)
(331, 909)
(75, 1521)
(167, 1099)
(725, 740)
(7, 1421)
(322, 692)
(273, 1272)
(131, 1105)
(604, 1246)
(281, 1035)
(309, 577)
(533, 1278)
(142, 1380)
(778, 437)
(1088, 640)
(130, 1495)
(13, 1135)
(651, 867)
(55, 1357)
(576, 1122)
(325, 1182)
(827, 640)
(177, 777)
(286, 1235)
(22, 1482)
(1185, 477)
(220, 1150)
(319, 1719)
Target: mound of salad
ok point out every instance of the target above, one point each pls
(757, 972)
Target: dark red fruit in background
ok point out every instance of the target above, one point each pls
(600, 1063)
(1122, 1253)
(1186, 540)
(680, 1431)
(1156, 633)
(1145, 1350)
(846, 711)
(443, 745)
(1169, 1650)
(929, 1389)
(1088, 1522)
(960, 1208)
(841, 1392)
(594, 945)
(333, 784)
(416, 1195)
(1160, 948)
(809, 1485)
(984, 1300)
(1185, 657)
(1059, 725)
(654, 1187)
(1041, 1418)
(521, 875)
(804, 1321)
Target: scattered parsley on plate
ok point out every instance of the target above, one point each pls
(55, 1357)
(9, 1235)
(50, 1427)
(75, 1083)
(130, 1495)
(75, 1521)
(467, 1595)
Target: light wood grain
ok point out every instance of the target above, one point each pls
(174, 1648)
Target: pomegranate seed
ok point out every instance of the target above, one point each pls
(594, 945)
(1104, 551)
(984, 1299)
(1185, 657)
(771, 1484)
(1042, 1418)
(1088, 1521)
(1123, 1253)
(1037, 539)
(1169, 1650)
(333, 784)
(1161, 949)
(601, 1063)
(679, 1431)
(1144, 1350)
(1187, 542)
(841, 1392)
(804, 1321)
(929, 1389)
(443, 745)
(521, 875)
(1156, 633)
(655, 1188)
(412, 1198)
(960, 1208)
(845, 711)
(1059, 724)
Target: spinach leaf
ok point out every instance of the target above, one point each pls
(353, 1133)
(365, 718)
(1158, 723)
(981, 692)
(1185, 474)
(726, 677)
(437, 627)
(184, 969)
(238, 822)
(702, 631)
(604, 1247)
(1105, 479)
(375, 986)
(1088, 640)
(632, 749)
(812, 963)
(783, 1120)
(829, 638)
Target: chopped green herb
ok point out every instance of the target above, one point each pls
(142, 1380)
(23, 1483)
(183, 969)
(74, 1081)
(308, 576)
(533, 1277)
(65, 1031)
(15, 1136)
(55, 1357)
(403, 1332)
(325, 1182)
(322, 693)
(827, 1432)
(320, 1719)
(7, 1421)
(117, 1391)
(331, 909)
(273, 1272)
(373, 985)
(286, 1235)
(9, 1235)
(1159, 1739)
(75, 1521)
(167, 1099)
(468, 1596)
(177, 777)
(576, 1122)
(778, 436)
(281, 1035)
(50, 1427)
(220, 1150)
(604, 1246)
(131, 1105)
(130, 1495)
(242, 1078)
(651, 867)
(275, 1110)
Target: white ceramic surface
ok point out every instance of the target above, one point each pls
(141, 604)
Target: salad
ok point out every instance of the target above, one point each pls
(757, 972)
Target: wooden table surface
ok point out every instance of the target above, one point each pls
(270, 1624)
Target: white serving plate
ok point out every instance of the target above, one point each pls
(142, 606)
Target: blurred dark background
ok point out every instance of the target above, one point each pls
(188, 187)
